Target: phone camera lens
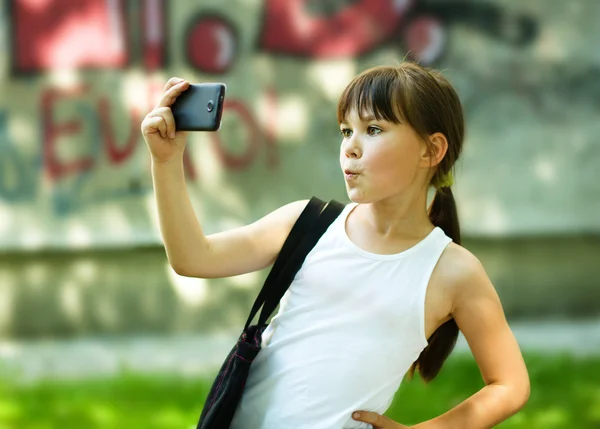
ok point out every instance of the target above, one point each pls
(210, 106)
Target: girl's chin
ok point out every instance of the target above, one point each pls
(356, 197)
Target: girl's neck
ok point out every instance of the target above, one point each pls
(397, 217)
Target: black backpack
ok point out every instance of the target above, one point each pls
(228, 387)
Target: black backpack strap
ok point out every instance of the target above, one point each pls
(303, 224)
(295, 261)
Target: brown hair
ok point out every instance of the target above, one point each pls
(425, 100)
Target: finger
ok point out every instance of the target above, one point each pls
(167, 114)
(172, 82)
(154, 125)
(378, 421)
(169, 97)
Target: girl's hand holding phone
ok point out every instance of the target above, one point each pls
(158, 127)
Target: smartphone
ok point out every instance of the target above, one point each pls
(200, 107)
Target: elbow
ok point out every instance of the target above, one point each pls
(511, 397)
(519, 395)
(526, 393)
(190, 270)
(186, 265)
(182, 269)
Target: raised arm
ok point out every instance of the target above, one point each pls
(190, 252)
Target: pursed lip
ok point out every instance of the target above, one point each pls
(350, 171)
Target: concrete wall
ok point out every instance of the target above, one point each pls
(78, 231)
(134, 291)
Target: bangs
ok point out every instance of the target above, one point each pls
(379, 92)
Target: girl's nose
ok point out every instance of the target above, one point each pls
(352, 149)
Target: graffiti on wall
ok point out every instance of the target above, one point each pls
(93, 35)
(316, 29)
(68, 174)
(114, 36)
(51, 34)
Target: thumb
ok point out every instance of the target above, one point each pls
(377, 420)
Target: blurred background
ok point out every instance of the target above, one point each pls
(96, 330)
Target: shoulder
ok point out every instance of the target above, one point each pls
(283, 217)
(280, 220)
(462, 273)
(458, 263)
(292, 210)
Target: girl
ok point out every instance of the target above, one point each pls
(387, 287)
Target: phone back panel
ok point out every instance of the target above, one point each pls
(199, 108)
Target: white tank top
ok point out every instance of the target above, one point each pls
(347, 330)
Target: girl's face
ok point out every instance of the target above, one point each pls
(379, 159)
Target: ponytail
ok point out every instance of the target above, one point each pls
(442, 213)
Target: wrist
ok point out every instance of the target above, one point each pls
(176, 159)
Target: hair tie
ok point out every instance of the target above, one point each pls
(445, 181)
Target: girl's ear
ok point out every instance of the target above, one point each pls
(436, 150)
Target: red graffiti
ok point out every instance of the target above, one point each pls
(115, 153)
(289, 28)
(118, 153)
(256, 134)
(233, 161)
(52, 34)
(426, 39)
(54, 166)
(211, 44)
(154, 31)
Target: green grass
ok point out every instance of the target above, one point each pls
(565, 394)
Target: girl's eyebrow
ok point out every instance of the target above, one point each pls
(366, 118)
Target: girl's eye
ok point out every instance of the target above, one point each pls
(346, 132)
(373, 131)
